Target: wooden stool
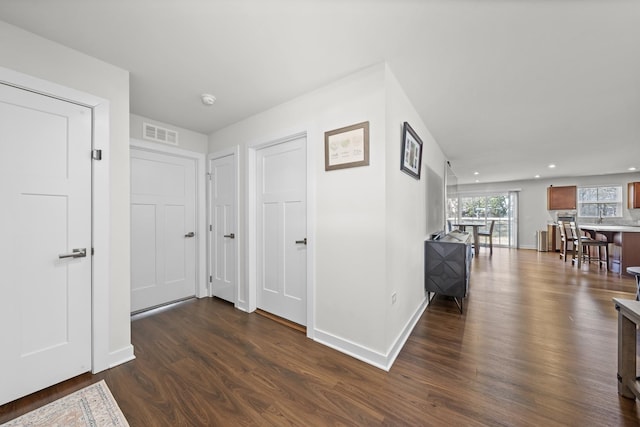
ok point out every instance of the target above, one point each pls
(636, 272)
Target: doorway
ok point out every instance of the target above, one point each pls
(278, 198)
(163, 228)
(223, 232)
(45, 251)
(501, 207)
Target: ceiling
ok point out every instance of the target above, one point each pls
(506, 87)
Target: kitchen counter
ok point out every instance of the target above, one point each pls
(624, 240)
(610, 228)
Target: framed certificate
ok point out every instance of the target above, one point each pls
(347, 147)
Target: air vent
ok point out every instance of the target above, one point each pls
(158, 134)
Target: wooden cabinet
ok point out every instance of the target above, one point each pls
(633, 195)
(554, 243)
(561, 197)
(626, 251)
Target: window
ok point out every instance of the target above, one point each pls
(485, 207)
(600, 202)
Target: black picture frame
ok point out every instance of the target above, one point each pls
(411, 153)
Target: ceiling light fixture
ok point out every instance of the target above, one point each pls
(551, 166)
(476, 173)
(632, 168)
(537, 176)
(207, 99)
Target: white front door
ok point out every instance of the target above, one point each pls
(163, 222)
(281, 230)
(222, 227)
(45, 227)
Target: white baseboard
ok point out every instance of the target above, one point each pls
(242, 306)
(406, 332)
(367, 355)
(354, 350)
(121, 356)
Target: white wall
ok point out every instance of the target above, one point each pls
(350, 228)
(27, 53)
(533, 211)
(406, 207)
(187, 139)
(356, 210)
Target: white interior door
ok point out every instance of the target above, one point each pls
(222, 227)
(45, 193)
(281, 230)
(163, 221)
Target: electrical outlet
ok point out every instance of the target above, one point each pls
(394, 297)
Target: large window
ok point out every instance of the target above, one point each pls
(483, 208)
(600, 202)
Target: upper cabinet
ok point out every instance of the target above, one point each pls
(561, 197)
(633, 195)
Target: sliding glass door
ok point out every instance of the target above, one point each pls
(483, 208)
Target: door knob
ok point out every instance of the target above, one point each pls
(302, 242)
(190, 234)
(231, 236)
(77, 253)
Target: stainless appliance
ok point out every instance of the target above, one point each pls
(565, 217)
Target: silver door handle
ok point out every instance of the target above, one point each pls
(231, 236)
(77, 253)
(302, 242)
(190, 234)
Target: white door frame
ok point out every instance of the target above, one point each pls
(202, 288)
(251, 226)
(101, 217)
(240, 297)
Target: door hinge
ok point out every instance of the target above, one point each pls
(210, 227)
(210, 279)
(96, 154)
(92, 251)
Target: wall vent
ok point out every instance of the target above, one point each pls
(158, 134)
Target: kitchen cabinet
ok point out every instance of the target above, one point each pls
(561, 197)
(633, 195)
(554, 243)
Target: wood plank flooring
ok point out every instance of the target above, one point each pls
(536, 346)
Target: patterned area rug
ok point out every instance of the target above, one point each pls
(92, 406)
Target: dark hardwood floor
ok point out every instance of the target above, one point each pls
(536, 346)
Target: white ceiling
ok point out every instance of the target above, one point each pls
(505, 86)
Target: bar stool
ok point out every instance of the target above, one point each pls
(564, 248)
(587, 243)
(636, 272)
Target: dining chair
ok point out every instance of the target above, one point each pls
(587, 243)
(488, 235)
(450, 226)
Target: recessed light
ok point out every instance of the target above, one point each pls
(551, 166)
(476, 173)
(477, 180)
(632, 168)
(537, 176)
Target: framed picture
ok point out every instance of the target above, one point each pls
(411, 160)
(347, 147)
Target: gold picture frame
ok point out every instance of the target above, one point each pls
(346, 147)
